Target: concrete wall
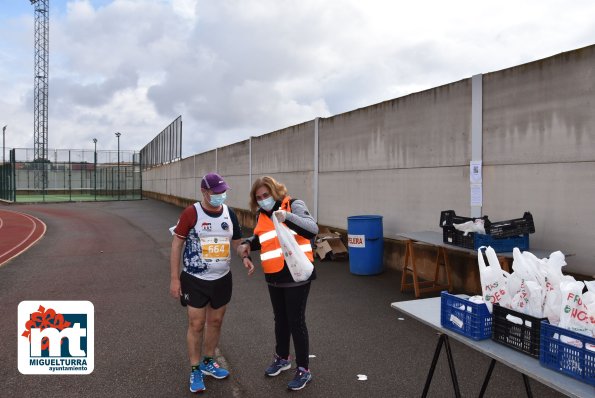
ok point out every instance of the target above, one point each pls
(539, 150)
(407, 159)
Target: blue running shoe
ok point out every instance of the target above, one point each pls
(213, 369)
(301, 378)
(279, 365)
(196, 382)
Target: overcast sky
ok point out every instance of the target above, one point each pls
(235, 69)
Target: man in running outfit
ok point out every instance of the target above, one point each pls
(207, 232)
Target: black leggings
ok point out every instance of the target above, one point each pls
(289, 307)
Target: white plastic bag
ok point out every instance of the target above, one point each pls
(493, 279)
(471, 226)
(589, 301)
(528, 300)
(298, 263)
(553, 297)
(574, 314)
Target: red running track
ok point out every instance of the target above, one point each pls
(18, 232)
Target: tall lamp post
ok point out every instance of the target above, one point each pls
(3, 145)
(95, 167)
(118, 135)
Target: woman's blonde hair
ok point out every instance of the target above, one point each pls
(277, 190)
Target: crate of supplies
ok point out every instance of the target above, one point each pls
(518, 226)
(517, 330)
(449, 217)
(474, 241)
(502, 244)
(568, 352)
(465, 317)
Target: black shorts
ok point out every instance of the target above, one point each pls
(198, 293)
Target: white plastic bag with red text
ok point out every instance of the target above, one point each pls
(298, 263)
(493, 278)
(574, 314)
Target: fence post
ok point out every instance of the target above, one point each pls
(69, 177)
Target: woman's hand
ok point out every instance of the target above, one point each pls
(248, 265)
(280, 214)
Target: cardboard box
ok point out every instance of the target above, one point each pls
(329, 244)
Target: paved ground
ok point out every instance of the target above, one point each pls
(115, 254)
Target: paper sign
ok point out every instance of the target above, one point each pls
(475, 172)
(356, 240)
(476, 195)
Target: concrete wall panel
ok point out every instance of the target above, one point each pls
(408, 199)
(205, 163)
(560, 197)
(187, 188)
(541, 112)
(426, 129)
(283, 151)
(233, 160)
(240, 188)
(187, 167)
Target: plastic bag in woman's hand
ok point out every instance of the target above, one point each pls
(298, 263)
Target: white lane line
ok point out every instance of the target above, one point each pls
(33, 220)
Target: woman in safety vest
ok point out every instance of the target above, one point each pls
(269, 198)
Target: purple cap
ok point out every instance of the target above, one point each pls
(214, 182)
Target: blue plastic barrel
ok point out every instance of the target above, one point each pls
(366, 244)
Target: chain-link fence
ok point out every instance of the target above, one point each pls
(73, 175)
(7, 177)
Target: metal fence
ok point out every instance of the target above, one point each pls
(7, 178)
(72, 175)
(165, 147)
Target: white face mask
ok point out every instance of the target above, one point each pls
(267, 204)
(217, 200)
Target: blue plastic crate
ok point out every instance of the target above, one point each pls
(465, 317)
(573, 358)
(502, 244)
(474, 241)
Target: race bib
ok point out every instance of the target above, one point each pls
(215, 248)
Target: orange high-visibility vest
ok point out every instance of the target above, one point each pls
(271, 256)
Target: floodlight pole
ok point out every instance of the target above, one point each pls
(3, 145)
(95, 167)
(118, 135)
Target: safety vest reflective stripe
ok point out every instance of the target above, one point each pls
(271, 235)
(279, 253)
(271, 254)
(267, 236)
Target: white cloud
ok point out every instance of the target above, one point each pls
(236, 68)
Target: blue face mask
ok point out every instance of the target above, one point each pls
(267, 204)
(217, 200)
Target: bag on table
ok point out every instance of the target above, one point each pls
(298, 263)
(553, 297)
(493, 278)
(528, 297)
(528, 300)
(574, 314)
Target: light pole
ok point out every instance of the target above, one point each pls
(118, 135)
(95, 167)
(3, 145)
